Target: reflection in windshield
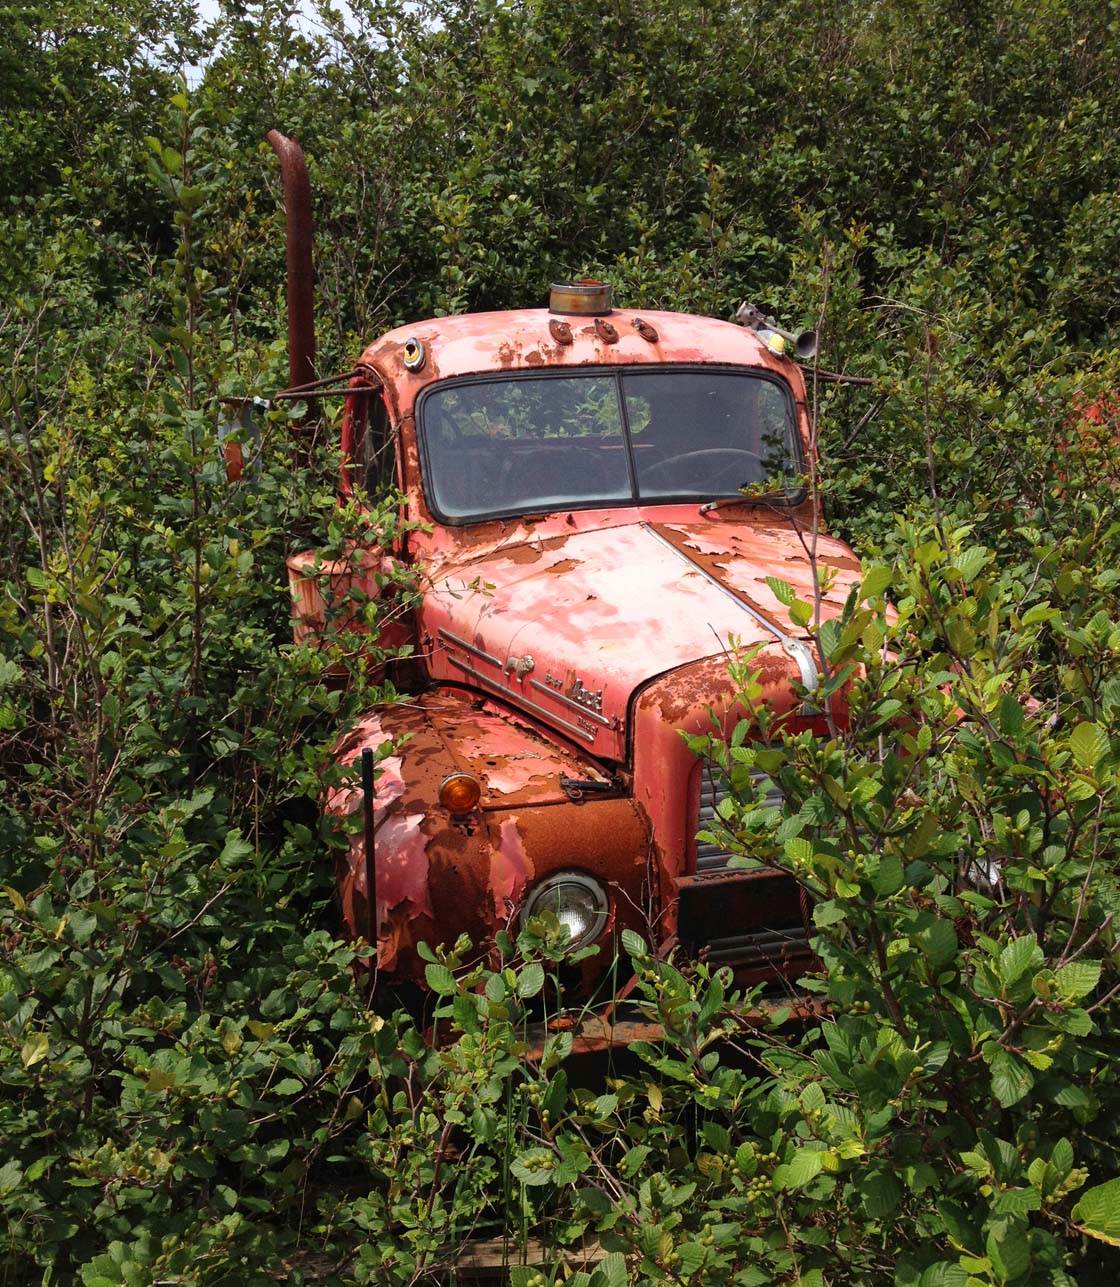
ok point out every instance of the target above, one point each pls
(530, 443)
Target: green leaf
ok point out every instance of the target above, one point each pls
(1061, 1158)
(530, 980)
(634, 945)
(534, 1167)
(160, 1079)
(440, 979)
(1089, 744)
(1020, 955)
(812, 1096)
(799, 850)
(939, 942)
(1098, 1212)
(633, 1159)
(800, 612)
(1076, 979)
(35, 1049)
(1010, 716)
(1016, 1202)
(970, 561)
(828, 913)
(875, 581)
(1011, 1079)
(782, 590)
(611, 1271)
(889, 878)
(805, 1164)
(945, 1273)
(881, 1194)
(11, 1173)
(1009, 1250)
(1076, 1022)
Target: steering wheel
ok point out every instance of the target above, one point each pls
(701, 476)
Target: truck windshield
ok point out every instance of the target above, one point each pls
(526, 443)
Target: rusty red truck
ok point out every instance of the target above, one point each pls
(595, 499)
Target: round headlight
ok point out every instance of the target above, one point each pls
(577, 901)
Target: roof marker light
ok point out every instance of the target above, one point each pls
(413, 355)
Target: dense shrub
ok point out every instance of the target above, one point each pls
(194, 1090)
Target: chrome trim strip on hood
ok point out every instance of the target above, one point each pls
(448, 637)
(795, 648)
(517, 700)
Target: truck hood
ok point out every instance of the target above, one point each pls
(570, 627)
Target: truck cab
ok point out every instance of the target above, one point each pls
(596, 499)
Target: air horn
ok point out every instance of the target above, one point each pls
(778, 341)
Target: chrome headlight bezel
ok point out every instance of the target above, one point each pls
(548, 893)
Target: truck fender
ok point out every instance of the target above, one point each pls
(437, 875)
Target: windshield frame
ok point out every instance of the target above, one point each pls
(778, 499)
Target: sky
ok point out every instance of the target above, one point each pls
(208, 10)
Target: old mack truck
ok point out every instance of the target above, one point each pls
(596, 497)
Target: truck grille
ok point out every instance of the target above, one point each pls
(752, 920)
(713, 788)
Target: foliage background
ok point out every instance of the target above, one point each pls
(193, 1091)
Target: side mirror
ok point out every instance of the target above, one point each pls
(239, 427)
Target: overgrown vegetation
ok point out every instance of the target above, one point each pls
(193, 1088)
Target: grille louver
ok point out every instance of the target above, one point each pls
(713, 789)
(756, 923)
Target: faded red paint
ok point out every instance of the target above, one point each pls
(567, 648)
(510, 871)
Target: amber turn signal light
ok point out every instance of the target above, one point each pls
(460, 793)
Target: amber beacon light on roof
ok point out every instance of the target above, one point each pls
(587, 297)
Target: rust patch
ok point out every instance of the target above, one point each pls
(524, 553)
(534, 358)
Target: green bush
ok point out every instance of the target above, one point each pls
(194, 1089)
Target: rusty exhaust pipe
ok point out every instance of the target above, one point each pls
(301, 267)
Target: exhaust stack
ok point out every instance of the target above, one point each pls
(301, 267)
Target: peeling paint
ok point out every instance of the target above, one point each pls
(510, 871)
(614, 607)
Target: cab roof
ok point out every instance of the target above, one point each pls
(521, 339)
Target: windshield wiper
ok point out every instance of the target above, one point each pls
(771, 498)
